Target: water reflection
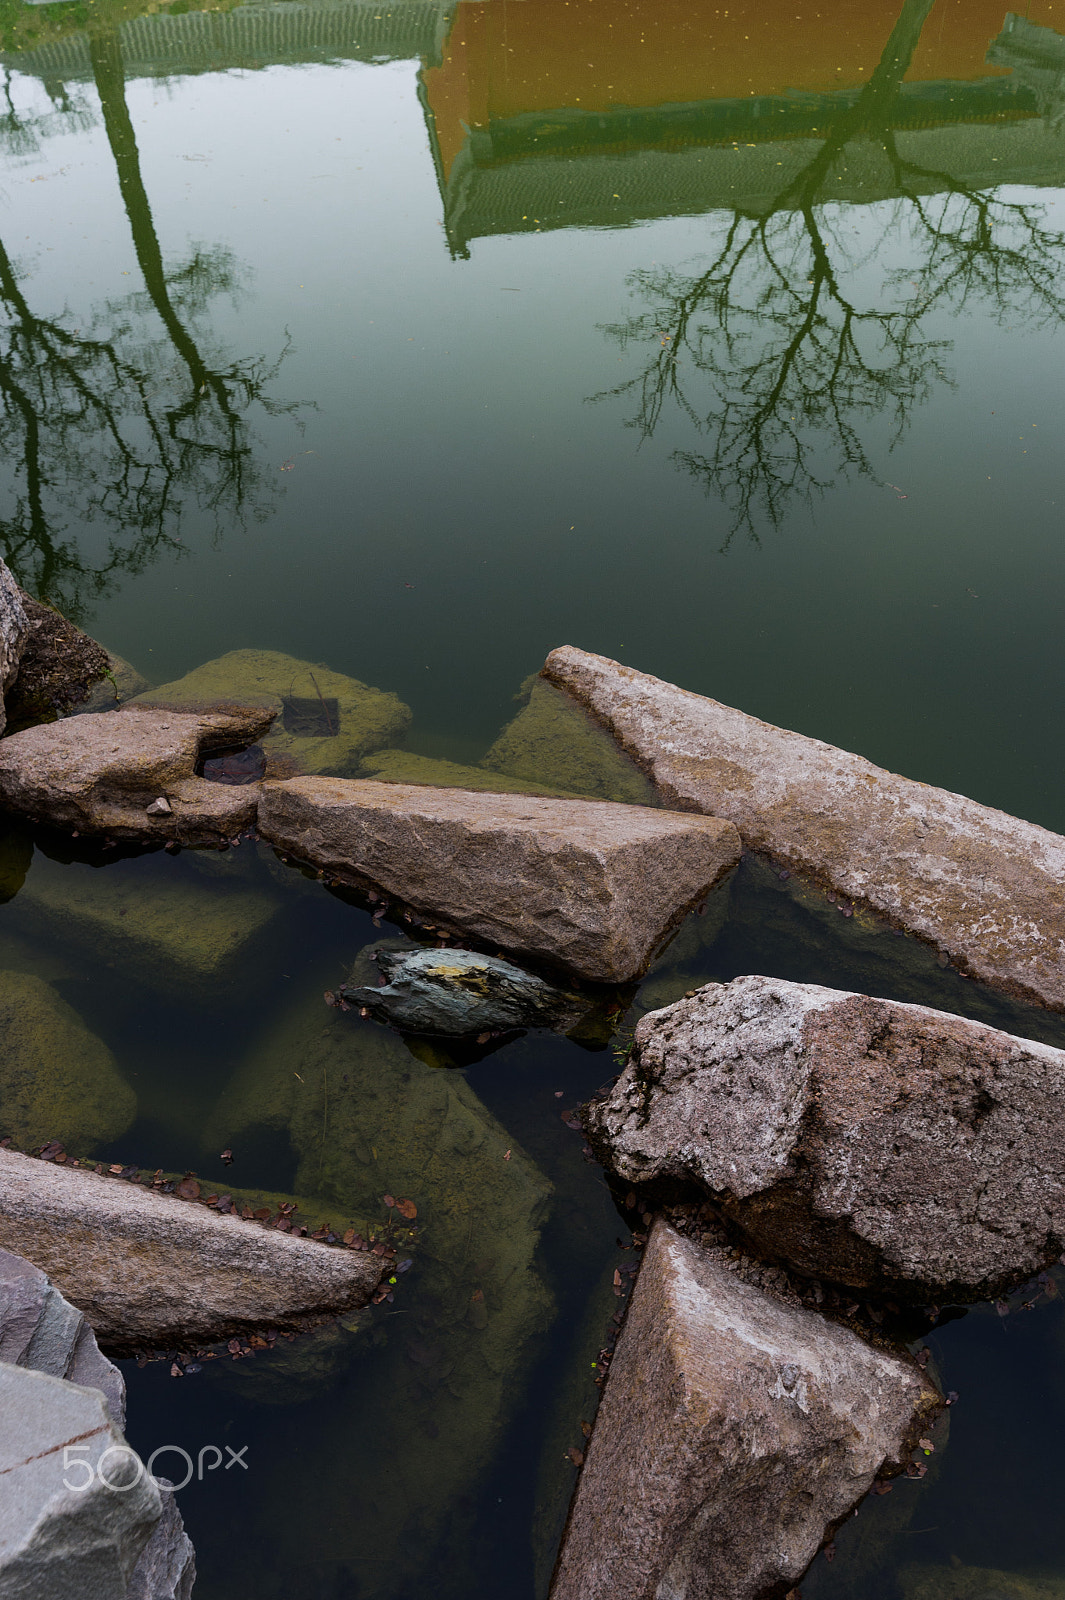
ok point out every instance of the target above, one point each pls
(118, 423)
(775, 354)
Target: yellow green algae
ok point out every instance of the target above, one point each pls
(367, 1119)
(404, 766)
(553, 740)
(978, 1583)
(57, 1079)
(159, 927)
(362, 719)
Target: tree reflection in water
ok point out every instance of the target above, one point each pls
(793, 362)
(115, 424)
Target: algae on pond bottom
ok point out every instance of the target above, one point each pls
(978, 1583)
(324, 723)
(368, 1119)
(553, 740)
(404, 766)
(161, 927)
(57, 1079)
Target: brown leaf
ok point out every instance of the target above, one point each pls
(407, 1208)
(830, 1550)
(575, 1455)
(586, 1429)
(188, 1189)
(226, 1158)
(478, 1295)
(617, 1279)
(926, 1445)
(175, 1370)
(506, 1155)
(483, 1038)
(262, 1214)
(349, 1237)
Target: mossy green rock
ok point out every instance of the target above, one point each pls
(553, 740)
(367, 1119)
(310, 734)
(138, 914)
(57, 1080)
(404, 766)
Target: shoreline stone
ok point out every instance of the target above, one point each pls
(59, 668)
(986, 889)
(99, 773)
(589, 886)
(14, 632)
(734, 1433)
(149, 1270)
(881, 1146)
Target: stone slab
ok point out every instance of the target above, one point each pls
(986, 889)
(735, 1432)
(589, 886)
(150, 1270)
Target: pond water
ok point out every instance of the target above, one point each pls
(416, 340)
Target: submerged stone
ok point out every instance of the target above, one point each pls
(153, 1270)
(984, 888)
(917, 1582)
(460, 992)
(554, 741)
(160, 927)
(404, 766)
(57, 1079)
(887, 1147)
(584, 885)
(735, 1431)
(324, 721)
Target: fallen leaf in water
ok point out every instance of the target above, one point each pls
(830, 1550)
(478, 1295)
(586, 1429)
(115, 1167)
(1002, 1307)
(262, 1214)
(617, 1279)
(952, 1397)
(630, 1200)
(926, 1445)
(389, 1202)
(506, 1155)
(576, 1456)
(188, 1189)
(880, 1487)
(226, 1158)
(175, 1370)
(407, 1208)
(349, 1237)
(483, 1038)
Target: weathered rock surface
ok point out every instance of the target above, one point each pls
(14, 631)
(58, 1080)
(880, 1145)
(734, 1431)
(99, 773)
(460, 992)
(59, 1543)
(58, 667)
(148, 1269)
(324, 721)
(166, 1567)
(554, 741)
(589, 886)
(986, 889)
(41, 1330)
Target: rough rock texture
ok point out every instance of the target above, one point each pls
(585, 885)
(733, 1433)
(553, 741)
(984, 888)
(460, 992)
(60, 1543)
(58, 667)
(880, 1145)
(14, 631)
(98, 774)
(41, 1330)
(58, 1080)
(324, 721)
(147, 1269)
(166, 1569)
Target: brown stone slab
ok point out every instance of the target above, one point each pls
(587, 885)
(985, 888)
(735, 1431)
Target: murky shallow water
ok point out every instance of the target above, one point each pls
(418, 341)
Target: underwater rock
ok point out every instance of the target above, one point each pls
(121, 683)
(163, 929)
(14, 631)
(324, 721)
(580, 884)
(80, 1542)
(148, 1269)
(367, 1119)
(100, 773)
(984, 888)
(41, 1330)
(734, 1432)
(404, 766)
(554, 741)
(883, 1146)
(58, 668)
(978, 1583)
(57, 1079)
(460, 992)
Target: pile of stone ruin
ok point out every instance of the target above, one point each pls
(801, 1152)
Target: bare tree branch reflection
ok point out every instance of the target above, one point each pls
(771, 353)
(119, 427)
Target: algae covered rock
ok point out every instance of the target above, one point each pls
(367, 1119)
(161, 927)
(405, 766)
(57, 1080)
(554, 741)
(459, 992)
(978, 1583)
(324, 721)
